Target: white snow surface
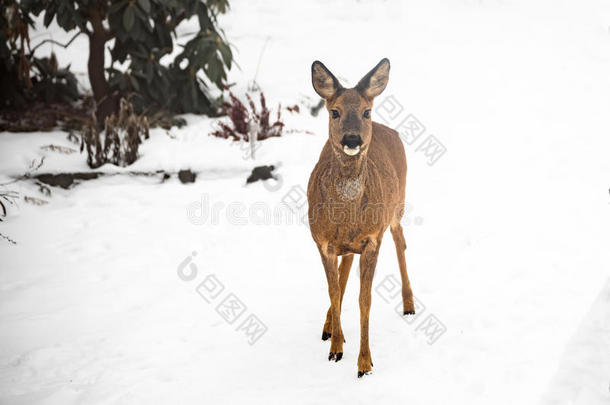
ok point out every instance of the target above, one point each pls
(577, 380)
(507, 233)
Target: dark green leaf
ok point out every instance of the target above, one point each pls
(129, 18)
(145, 5)
(48, 16)
(117, 6)
(134, 83)
(225, 51)
(149, 72)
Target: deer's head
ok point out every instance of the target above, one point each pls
(349, 121)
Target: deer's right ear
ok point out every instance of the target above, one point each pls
(324, 83)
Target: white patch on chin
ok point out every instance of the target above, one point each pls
(350, 151)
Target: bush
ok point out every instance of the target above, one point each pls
(23, 78)
(119, 142)
(144, 31)
(242, 120)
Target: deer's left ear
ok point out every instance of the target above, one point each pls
(374, 82)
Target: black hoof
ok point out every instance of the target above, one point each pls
(361, 373)
(325, 335)
(409, 313)
(335, 356)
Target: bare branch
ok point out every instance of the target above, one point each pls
(56, 43)
(8, 239)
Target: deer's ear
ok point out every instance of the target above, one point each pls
(374, 82)
(324, 83)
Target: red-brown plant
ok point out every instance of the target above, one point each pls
(242, 119)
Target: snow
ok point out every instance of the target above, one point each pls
(507, 233)
(577, 380)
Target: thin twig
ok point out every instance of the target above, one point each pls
(51, 40)
(8, 239)
(13, 181)
(260, 58)
(28, 175)
(35, 166)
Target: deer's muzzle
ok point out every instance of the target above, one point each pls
(351, 144)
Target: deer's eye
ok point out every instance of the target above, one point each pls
(335, 113)
(367, 114)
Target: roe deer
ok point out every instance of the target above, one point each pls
(356, 190)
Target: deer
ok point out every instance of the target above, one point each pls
(355, 192)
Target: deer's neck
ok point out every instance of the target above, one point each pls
(349, 176)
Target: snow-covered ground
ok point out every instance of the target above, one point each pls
(586, 359)
(103, 301)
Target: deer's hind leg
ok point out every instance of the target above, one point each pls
(401, 245)
(344, 268)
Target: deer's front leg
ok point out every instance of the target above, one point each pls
(329, 260)
(344, 267)
(368, 261)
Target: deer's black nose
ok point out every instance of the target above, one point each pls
(351, 141)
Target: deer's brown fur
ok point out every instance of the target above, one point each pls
(353, 198)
